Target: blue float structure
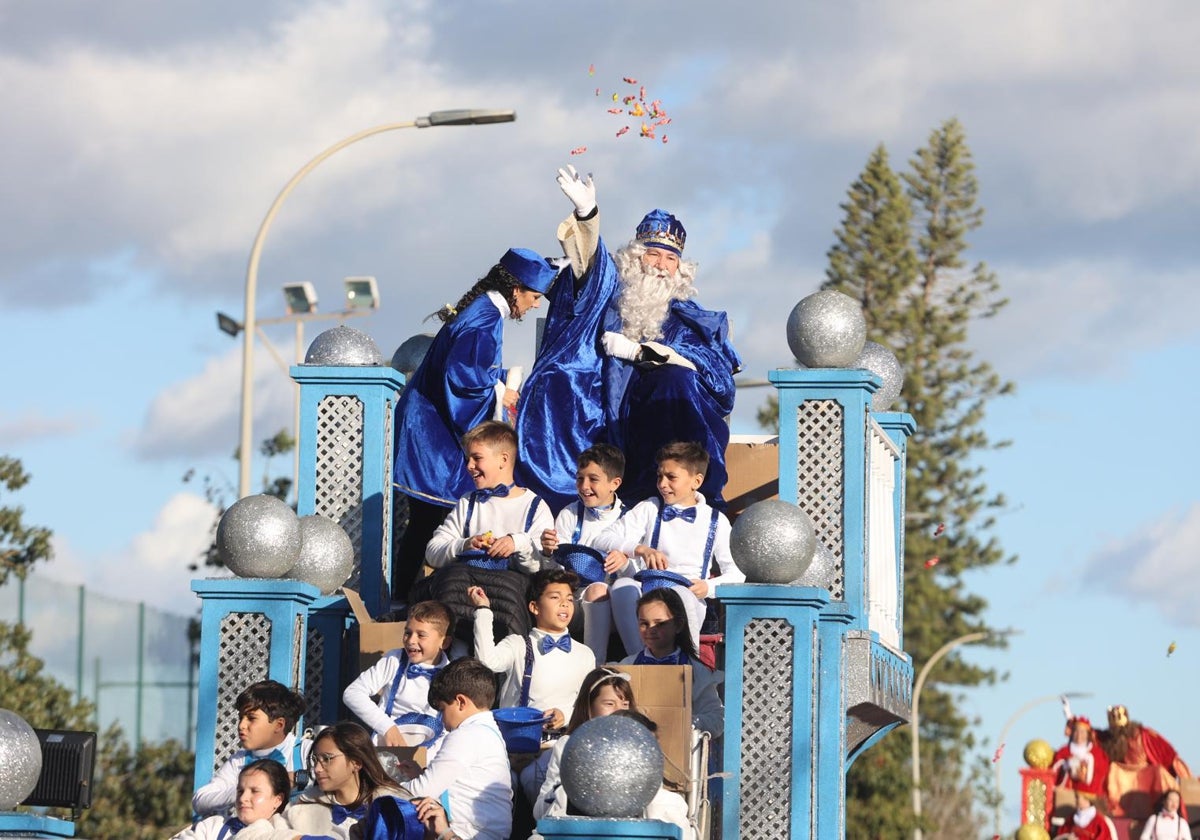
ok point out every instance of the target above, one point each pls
(815, 673)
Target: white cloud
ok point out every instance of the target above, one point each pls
(33, 425)
(1153, 564)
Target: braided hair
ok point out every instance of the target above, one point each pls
(496, 280)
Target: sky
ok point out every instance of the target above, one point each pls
(145, 142)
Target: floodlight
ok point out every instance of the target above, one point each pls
(300, 298)
(361, 293)
(228, 325)
(469, 116)
(68, 762)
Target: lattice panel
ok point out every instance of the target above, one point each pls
(339, 490)
(766, 762)
(820, 478)
(314, 666)
(243, 657)
(388, 497)
(1037, 802)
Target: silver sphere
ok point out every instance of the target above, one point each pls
(259, 537)
(612, 767)
(826, 330)
(883, 363)
(326, 554)
(772, 541)
(343, 346)
(822, 572)
(20, 759)
(409, 355)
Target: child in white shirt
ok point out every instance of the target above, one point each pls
(678, 532)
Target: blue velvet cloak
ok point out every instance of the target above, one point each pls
(453, 390)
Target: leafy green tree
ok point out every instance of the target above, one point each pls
(21, 545)
(41, 700)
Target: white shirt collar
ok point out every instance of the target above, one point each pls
(501, 303)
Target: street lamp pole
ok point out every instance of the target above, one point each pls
(918, 834)
(1049, 698)
(437, 118)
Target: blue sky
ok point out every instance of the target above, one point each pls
(146, 148)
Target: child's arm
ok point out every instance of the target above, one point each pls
(447, 541)
(219, 794)
(498, 657)
(564, 526)
(370, 682)
(628, 532)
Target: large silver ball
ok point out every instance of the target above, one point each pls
(826, 329)
(408, 356)
(326, 554)
(883, 363)
(259, 537)
(20, 759)
(612, 767)
(343, 346)
(822, 572)
(772, 541)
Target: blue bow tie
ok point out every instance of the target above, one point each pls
(341, 813)
(420, 672)
(671, 512)
(485, 493)
(675, 657)
(234, 825)
(548, 644)
(275, 755)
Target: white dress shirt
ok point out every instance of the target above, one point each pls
(219, 794)
(556, 677)
(502, 515)
(412, 695)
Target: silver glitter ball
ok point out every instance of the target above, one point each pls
(408, 356)
(345, 347)
(772, 541)
(822, 572)
(612, 767)
(20, 759)
(883, 363)
(259, 537)
(326, 554)
(826, 330)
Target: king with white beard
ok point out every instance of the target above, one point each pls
(627, 357)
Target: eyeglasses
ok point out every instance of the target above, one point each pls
(324, 758)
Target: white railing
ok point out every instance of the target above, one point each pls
(883, 581)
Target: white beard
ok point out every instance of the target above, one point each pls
(646, 294)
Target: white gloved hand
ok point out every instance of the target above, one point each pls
(619, 346)
(581, 192)
(672, 358)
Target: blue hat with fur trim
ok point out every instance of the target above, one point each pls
(659, 229)
(529, 268)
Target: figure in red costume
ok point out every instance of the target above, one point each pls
(1087, 823)
(1143, 767)
(1081, 763)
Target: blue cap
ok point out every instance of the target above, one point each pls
(529, 268)
(659, 229)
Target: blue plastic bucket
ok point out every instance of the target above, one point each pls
(480, 560)
(521, 727)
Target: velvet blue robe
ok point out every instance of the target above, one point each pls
(452, 391)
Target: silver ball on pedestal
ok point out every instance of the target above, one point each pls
(882, 362)
(343, 346)
(411, 353)
(326, 556)
(259, 537)
(822, 572)
(20, 759)
(612, 767)
(826, 330)
(772, 541)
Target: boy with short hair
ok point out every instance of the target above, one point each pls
(543, 669)
(472, 764)
(267, 714)
(598, 474)
(401, 678)
(498, 518)
(678, 532)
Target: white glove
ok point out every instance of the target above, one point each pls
(619, 346)
(670, 356)
(581, 192)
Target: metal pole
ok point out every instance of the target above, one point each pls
(918, 834)
(96, 668)
(296, 414)
(21, 600)
(79, 647)
(141, 664)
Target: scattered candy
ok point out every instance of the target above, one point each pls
(931, 562)
(638, 110)
(1170, 648)
(642, 93)
(663, 121)
(616, 110)
(578, 150)
(999, 752)
(591, 69)
(664, 138)
(629, 80)
(940, 529)
(647, 131)
(597, 91)
(622, 131)
(635, 106)
(616, 98)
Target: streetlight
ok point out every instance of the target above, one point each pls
(916, 719)
(1071, 695)
(437, 118)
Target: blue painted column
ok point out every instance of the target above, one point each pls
(250, 630)
(593, 828)
(346, 434)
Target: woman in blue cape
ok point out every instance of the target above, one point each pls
(459, 384)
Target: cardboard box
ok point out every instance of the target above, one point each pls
(416, 754)
(752, 462)
(375, 638)
(663, 693)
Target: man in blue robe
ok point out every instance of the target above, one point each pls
(626, 358)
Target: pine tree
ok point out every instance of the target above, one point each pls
(21, 545)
